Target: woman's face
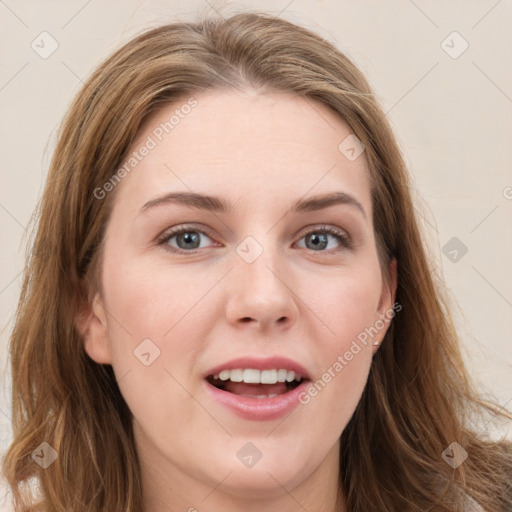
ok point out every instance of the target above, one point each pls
(260, 279)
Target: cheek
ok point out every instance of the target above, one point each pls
(157, 328)
(156, 332)
(347, 308)
(152, 301)
(347, 304)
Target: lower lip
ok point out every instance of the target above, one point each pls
(259, 409)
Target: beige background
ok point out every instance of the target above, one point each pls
(452, 116)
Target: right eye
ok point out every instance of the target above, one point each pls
(184, 239)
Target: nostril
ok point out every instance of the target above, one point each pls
(247, 319)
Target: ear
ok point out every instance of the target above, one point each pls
(386, 310)
(91, 323)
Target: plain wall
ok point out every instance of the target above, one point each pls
(452, 115)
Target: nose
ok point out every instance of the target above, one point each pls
(262, 293)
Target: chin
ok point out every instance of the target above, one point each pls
(261, 480)
(275, 464)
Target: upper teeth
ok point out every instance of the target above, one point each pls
(252, 376)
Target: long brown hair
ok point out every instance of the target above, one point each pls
(418, 399)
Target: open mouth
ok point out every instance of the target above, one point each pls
(256, 383)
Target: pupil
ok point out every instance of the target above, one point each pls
(189, 238)
(315, 239)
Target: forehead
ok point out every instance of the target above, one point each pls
(229, 116)
(265, 144)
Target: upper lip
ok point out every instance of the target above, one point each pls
(269, 363)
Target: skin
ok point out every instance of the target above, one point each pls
(261, 152)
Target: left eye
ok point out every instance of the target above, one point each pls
(319, 238)
(189, 239)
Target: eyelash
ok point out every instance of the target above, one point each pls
(337, 233)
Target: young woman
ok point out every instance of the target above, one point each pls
(229, 304)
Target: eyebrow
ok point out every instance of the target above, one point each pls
(217, 204)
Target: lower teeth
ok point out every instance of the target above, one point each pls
(259, 396)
